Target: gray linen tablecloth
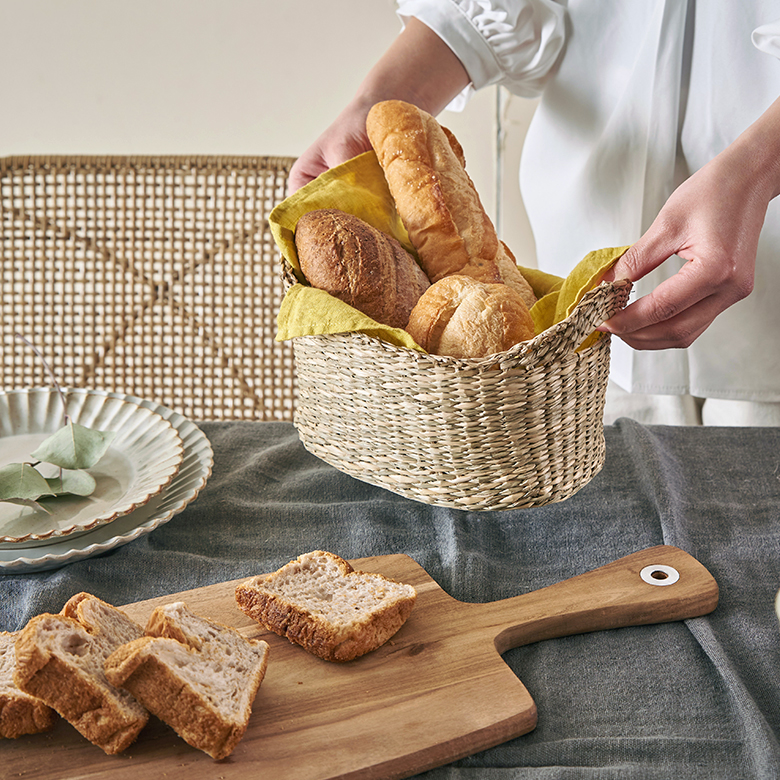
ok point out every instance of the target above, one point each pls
(699, 699)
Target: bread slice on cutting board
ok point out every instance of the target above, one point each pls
(20, 713)
(321, 603)
(59, 660)
(197, 676)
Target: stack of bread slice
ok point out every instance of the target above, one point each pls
(104, 674)
(60, 659)
(197, 676)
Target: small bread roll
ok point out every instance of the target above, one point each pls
(436, 199)
(462, 317)
(360, 265)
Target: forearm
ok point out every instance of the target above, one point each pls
(756, 154)
(418, 68)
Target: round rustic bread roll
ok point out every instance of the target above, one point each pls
(462, 317)
(360, 265)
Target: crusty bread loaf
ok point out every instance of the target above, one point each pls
(319, 602)
(197, 676)
(437, 200)
(360, 265)
(461, 317)
(20, 713)
(59, 659)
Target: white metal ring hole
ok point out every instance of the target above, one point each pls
(658, 574)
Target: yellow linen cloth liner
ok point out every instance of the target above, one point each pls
(358, 187)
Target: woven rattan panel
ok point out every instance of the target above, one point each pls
(155, 277)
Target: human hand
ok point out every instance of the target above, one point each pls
(712, 221)
(344, 139)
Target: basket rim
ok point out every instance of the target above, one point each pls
(596, 306)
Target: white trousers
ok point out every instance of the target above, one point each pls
(687, 410)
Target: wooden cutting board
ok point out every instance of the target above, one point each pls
(436, 692)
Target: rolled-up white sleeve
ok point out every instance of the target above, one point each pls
(767, 38)
(514, 43)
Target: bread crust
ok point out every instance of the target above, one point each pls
(360, 265)
(436, 199)
(331, 640)
(464, 318)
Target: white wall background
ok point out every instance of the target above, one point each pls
(221, 77)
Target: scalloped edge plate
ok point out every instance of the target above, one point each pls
(143, 457)
(193, 474)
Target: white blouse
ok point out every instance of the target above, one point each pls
(635, 96)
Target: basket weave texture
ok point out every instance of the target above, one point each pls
(520, 429)
(156, 277)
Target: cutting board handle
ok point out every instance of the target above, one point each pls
(656, 585)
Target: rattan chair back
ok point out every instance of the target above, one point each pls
(155, 277)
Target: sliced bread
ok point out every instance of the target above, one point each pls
(197, 676)
(20, 713)
(59, 659)
(321, 603)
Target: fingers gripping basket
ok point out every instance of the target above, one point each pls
(519, 429)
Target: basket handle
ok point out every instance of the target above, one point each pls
(563, 338)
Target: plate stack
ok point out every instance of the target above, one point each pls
(157, 463)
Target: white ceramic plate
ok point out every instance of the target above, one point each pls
(193, 473)
(143, 457)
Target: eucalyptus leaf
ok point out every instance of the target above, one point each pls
(21, 481)
(77, 483)
(74, 447)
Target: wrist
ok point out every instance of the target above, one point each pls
(756, 153)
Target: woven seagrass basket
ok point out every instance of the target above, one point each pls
(522, 428)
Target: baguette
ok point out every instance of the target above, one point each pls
(360, 265)
(197, 676)
(59, 659)
(321, 603)
(20, 713)
(437, 200)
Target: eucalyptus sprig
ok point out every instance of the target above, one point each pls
(72, 449)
